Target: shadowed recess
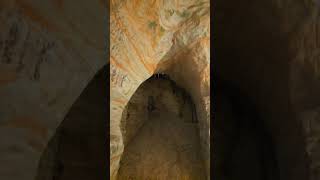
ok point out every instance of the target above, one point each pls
(78, 149)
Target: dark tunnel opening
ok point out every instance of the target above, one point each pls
(243, 145)
(251, 53)
(160, 116)
(175, 88)
(78, 149)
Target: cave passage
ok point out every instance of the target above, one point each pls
(243, 148)
(160, 132)
(78, 149)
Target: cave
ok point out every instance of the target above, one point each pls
(264, 53)
(258, 132)
(243, 146)
(78, 148)
(160, 132)
(168, 41)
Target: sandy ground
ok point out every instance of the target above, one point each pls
(166, 147)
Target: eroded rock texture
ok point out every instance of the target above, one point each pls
(166, 143)
(49, 51)
(148, 37)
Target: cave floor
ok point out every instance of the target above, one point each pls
(166, 147)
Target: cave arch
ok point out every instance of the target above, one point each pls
(186, 69)
(78, 148)
(160, 115)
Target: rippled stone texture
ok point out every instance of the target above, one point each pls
(148, 37)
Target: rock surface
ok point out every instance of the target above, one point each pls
(270, 50)
(161, 136)
(78, 149)
(49, 51)
(147, 37)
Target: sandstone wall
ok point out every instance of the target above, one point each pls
(49, 51)
(143, 35)
(163, 98)
(305, 81)
(166, 145)
(78, 148)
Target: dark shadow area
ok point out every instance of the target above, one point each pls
(78, 149)
(251, 55)
(175, 88)
(243, 147)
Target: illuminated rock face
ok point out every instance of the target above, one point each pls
(148, 37)
(49, 51)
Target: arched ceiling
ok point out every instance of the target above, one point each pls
(149, 36)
